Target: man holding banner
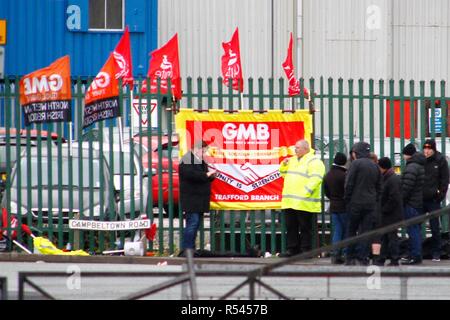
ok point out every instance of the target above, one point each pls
(195, 191)
(303, 175)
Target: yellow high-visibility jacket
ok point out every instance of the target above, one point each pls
(302, 183)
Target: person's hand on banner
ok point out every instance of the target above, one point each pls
(285, 161)
(211, 173)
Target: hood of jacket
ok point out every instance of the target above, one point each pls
(388, 173)
(418, 158)
(361, 150)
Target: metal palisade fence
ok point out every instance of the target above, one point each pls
(55, 172)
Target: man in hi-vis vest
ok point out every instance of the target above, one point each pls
(303, 175)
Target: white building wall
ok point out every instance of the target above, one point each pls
(374, 39)
(358, 39)
(203, 25)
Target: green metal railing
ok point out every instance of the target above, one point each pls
(344, 112)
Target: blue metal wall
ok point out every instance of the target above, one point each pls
(37, 34)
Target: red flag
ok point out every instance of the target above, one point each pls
(13, 223)
(150, 233)
(231, 63)
(165, 64)
(122, 59)
(288, 66)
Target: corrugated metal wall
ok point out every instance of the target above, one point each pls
(342, 38)
(37, 34)
(421, 39)
(203, 25)
(378, 39)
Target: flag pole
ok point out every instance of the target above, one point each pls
(119, 118)
(131, 110)
(70, 138)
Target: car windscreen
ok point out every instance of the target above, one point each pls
(90, 172)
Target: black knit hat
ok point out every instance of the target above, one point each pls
(409, 149)
(385, 163)
(340, 159)
(430, 143)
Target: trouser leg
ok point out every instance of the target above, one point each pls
(292, 228)
(305, 222)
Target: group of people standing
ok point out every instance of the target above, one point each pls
(365, 193)
(369, 194)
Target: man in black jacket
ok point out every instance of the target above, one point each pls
(413, 177)
(362, 192)
(391, 212)
(435, 190)
(195, 191)
(334, 184)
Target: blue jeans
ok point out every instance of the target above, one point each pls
(429, 206)
(414, 233)
(340, 226)
(190, 231)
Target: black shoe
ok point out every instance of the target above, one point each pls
(413, 261)
(436, 258)
(393, 263)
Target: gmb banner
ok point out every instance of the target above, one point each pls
(246, 149)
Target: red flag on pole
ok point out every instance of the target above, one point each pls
(288, 66)
(231, 63)
(165, 64)
(122, 59)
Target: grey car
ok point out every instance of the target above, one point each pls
(130, 178)
(44, 186)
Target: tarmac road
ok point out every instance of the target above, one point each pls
(73, 287)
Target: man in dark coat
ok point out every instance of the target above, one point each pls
(362, 192)
(334, 184)
(195, 191)
(391, 212)
(413, 177)
(434, 191)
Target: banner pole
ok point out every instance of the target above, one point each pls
(131, 110)
(70, 137)
(120, 133)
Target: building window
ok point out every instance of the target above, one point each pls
(106, 14)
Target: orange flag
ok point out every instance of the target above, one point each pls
(102, 98)
(45, 94)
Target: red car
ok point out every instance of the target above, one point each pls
(163, 169)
